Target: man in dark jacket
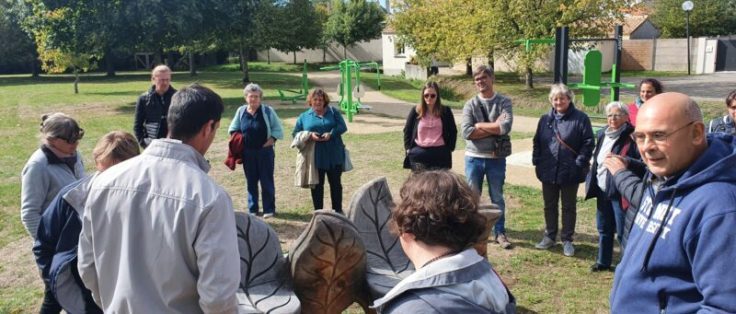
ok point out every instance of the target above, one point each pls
(152, 106)
(681, 243)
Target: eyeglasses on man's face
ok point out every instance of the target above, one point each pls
(659, 137)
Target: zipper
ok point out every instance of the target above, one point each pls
(662, 302)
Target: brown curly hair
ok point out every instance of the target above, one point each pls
(438, 208)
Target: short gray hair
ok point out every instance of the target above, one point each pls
(561, 89)
(617, 105)
(252, 88)
(487, 69)
(692, 110)
(160, 69)
(59, 125)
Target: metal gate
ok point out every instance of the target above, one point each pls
(726, 55)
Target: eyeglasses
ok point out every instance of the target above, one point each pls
(658, 137)
(430, 96)
(73, 139)
(615, 116)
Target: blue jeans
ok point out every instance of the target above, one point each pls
(494, 170)
(610, 218)
(258, 165)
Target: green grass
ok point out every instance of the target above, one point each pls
(261, 66)
(542, 281)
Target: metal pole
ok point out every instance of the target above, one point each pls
(617, 62)
(687, 35)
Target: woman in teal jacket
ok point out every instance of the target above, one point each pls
(326, 126)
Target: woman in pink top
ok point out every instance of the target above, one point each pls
(430, 133)
(648, 88)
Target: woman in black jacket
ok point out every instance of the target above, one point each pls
(561, 154)
(430, 133)
(614, 138)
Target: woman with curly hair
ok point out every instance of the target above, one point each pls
(437, 222)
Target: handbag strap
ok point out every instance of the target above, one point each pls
(559, 138)
(483, 110)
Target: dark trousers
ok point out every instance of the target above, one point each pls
(258, 165)
(552, 194)
(334, 176)
(610, 218)
(429, 158)
(49, 305)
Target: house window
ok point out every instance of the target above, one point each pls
(398, 49)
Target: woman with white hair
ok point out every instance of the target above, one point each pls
(54, 165)
(261, 127)
(561, 154)
(613, 139)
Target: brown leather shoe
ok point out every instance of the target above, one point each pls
(503, 241)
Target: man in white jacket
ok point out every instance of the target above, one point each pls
(158, 233)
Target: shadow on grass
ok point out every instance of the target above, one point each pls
(523, 310)
(585, 244)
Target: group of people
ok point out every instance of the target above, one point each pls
(125, 239)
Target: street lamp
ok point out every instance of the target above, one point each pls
(687, 6)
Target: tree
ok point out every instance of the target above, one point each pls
(18, 52)
(708, 18)
(300, 27)
(64, 36)
(458, 29)
(354, 21)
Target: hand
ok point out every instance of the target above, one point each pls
(614, 163)
(501, 118)
(326, 136)
(314, 137)
(269, 142)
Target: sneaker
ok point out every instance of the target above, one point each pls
(503, 241)
(545, 244)
(567, 248)
(268, 215)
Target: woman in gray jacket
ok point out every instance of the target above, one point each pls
(438, 223)
(54, 165)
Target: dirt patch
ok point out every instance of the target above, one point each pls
(18, 266)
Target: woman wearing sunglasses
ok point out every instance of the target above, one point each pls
(54, 165)
(430, 133)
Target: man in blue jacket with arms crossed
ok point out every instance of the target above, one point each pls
(681, 244)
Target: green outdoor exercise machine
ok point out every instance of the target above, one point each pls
(591, 85)
(349, 89)
(294, 95)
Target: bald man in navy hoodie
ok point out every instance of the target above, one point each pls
(681, 252)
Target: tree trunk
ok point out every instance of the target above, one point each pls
(244, 64)
(491, 60)
(529, 78)
(344, 52)
(170, 60)
(35, 66)
(268, 55)
(294, 56)
(192, 66)
(76, 80)
(109, 64)
(469, 67)
(324, 54)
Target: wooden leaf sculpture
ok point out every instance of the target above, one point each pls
(328, 264)
(370, 211)
(492, 214)
(265, 283)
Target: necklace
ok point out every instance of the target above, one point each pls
(437, 258)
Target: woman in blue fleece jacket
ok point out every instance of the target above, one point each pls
(58, 232)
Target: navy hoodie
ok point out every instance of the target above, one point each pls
(689, 267)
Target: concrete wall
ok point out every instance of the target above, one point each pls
(705, 62)
(637, 55)
(671, 54)
(362, 51)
